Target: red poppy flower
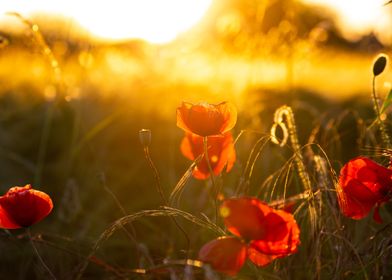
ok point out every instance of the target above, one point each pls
(206, 119)
(226, 254)
(264, 233)
(363, 184)
(23, 207)
(220, 150)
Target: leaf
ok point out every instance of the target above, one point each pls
(387, 101)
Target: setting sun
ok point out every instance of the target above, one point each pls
(153, 20)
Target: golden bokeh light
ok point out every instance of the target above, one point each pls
(359, 17)
(156, 21)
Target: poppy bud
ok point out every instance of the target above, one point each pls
(379, 64)
(145, 137)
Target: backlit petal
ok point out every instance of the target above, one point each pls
(186, 147)
(231, 154)
(206, 119)
(183, 116)
(6, 221)
(282, 239)
(259, 258)
(245, 217)
(229, 113)
(362, 184)
(355, 200)
(220, 152)
(225, 254)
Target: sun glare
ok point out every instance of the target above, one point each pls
(359, 17)
(157, 21)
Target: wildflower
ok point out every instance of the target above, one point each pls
(262, 234)
(363, 184)
(206, 119)
(220, 151)
(23, 207)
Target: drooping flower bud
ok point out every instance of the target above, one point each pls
(379, 64)
(145, 137)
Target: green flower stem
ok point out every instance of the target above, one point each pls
(212, 175)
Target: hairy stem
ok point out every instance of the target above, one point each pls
(38, 255)
(163, 198)
(212, 175)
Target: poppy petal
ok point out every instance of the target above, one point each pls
(225, 254)
(350, 201)
(276, 226)
(259, 258)
(186, 148)
(206, 119)
(220, 151)
(362, 184)
(231, 155)
(183, 116)
(24, 206)
(227, 154)
(229, 113)
(6, 221)
(282, 239)
(253, 227)
(202, 119)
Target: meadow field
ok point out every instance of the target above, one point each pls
(292, 116)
